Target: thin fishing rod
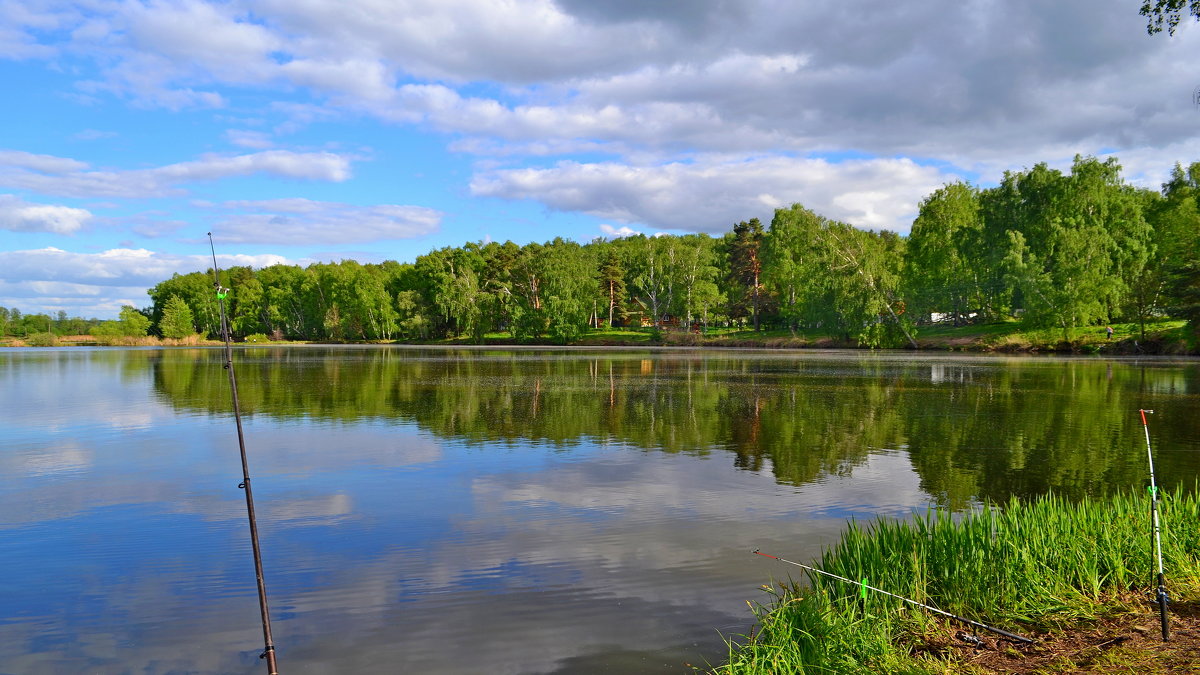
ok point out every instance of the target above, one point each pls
(269, 649)
(865, 587)
(1162, 586)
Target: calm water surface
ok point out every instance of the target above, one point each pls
(504, 511)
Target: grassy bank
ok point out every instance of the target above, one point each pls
(51, 340)
(1161, 337)
(1042, 568)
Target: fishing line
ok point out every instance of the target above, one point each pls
(269, 650)
(1162, 587)
(863, 588)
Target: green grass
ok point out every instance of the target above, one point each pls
(1013, 335)
(1010, 335)
(1040, 565)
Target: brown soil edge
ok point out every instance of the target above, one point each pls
(1125, 642)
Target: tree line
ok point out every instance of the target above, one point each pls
(16, 323)
(1056, 249)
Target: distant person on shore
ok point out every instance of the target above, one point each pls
(1109, 331)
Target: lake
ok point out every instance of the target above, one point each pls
(506, 510)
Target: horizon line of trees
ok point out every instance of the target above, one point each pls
(1061, 250)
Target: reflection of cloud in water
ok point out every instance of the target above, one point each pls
(534, 578)
(309, 448)
(129, 420)
(194, 472)
(886, 483)
(544, 570)
(65, 501)
(147, 628)
(322, 509)
(54, 459)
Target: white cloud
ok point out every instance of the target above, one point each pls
(942, 79)
(230, 47)
(68, 177)
(120, 267)
(517, 41)
(617, 232)
(75, 299)
(19, 23)
(99, 284)
(357, 79)
(302, 221)
(18, 159)
(712, 195)
(17, 215)
(256, 140)
(980, 87)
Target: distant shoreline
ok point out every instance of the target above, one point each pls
(1167, 338)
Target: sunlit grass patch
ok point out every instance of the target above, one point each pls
(1029, 567)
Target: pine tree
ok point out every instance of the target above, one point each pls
(176, 319)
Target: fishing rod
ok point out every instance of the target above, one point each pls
(1162, 586)
(269, 649)
(863, 585)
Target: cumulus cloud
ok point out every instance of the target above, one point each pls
(17, 215)
(67, 177)
(303, 221)
(979, 87)
(710, 196)
(942, 79)
(20, 22)
(98, 284)
(617, 232)
(118, 267)
(21, 160)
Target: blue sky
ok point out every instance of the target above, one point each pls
(308, 130)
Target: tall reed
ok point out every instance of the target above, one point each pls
(1035, 565)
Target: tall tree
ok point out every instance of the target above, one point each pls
(1177, 235)
(497, 282)
(745, 269)
(696, 265)
(1073, 242)
(283, 307)
(570, 282)
(940, 272)
(652, 274)
(612, 284)
(866, 279)
(528, 277)
(177, 320)
(196, 291)
(792, 268)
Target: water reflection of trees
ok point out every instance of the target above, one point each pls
(973, 429)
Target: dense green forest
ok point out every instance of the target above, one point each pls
(1058, 250)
